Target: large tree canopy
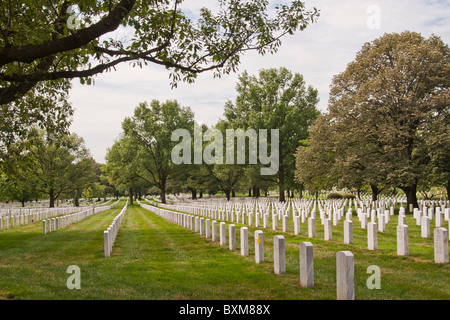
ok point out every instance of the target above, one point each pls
(388, 116)
(45, 40)
(151, 129)
(276, 99)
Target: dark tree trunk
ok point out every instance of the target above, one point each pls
(256, 192)
(130, 192)
(281, 184)
(163, 194)
(375, 192)
(201, 194)
(300, 193)
(250, 192)
(52, 198)
(448, 190)
(194, 194)
(233, 194)
(411, 196)
(227, 194)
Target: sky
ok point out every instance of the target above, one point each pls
(319, 52)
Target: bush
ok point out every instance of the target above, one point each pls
(349, 196)
(334, 195)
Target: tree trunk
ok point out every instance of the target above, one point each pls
(358, 192)
(300, 193)
(227, 194)
(375, 192)
(448, 190)
(201, 194)
(194, 194)
(250, 192)
(256, 193)
(281, 184)
(163, 193)
(130, 191)
(233, 194)
(52, 198)
(411, 196)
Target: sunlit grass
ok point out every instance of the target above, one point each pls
(155, 259)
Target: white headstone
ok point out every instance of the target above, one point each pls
(363, 221)
(306, 265)
(274, 222)
(232, 236)
(441, 245)
(372, 236)
(279, 259)
(214, 230)
(208, 228)
(296, 225)
(425, 227)
(381, 222)
(348, 232)
(244, 241)
(402, 240)
(328, 232)
(345, 275)
(259, 246)
(438, 220)
(311, 227)
(106, 243)
(223, 234)
(197, 224)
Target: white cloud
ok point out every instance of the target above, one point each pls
(319, 52)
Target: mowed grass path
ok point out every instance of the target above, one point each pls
(155, 259)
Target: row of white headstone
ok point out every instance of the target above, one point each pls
(49, 225)
(53, 224)
(332, 217)
(110, 234)
(24, 217)
(208, 228)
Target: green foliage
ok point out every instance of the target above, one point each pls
(276, 99)
(334, 195)
(150, 132)
(384, 111)
(60, 164)
(40, 42)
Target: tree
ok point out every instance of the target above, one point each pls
(45, 108)
(315, 159)
(121, 165)
(276, 99)
(385, 107)
(44, 40)
(438, 148)
(61, 165)
(151, 130)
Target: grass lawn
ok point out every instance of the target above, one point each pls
(155, 259)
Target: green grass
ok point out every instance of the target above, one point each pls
(155, 259)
